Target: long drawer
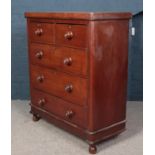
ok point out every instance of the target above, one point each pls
(68, 111)
(67, 87)
(62, 58)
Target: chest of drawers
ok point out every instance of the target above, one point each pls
(78, 71)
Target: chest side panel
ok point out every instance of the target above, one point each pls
(108, 73)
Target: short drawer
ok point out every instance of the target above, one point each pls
(41, 32)
(61, 58)
(65, 110)
(70, 88)
(71, 35)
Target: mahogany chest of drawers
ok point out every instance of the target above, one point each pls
(78, 71)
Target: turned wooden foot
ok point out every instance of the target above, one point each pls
(92, 149)
(35, 118)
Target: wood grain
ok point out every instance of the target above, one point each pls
(78, 71)
(54, 83)
(80, 15)
(47, 32)
(54, 57)
(60, 107)
(79, 32)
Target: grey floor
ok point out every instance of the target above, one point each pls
(42, 138)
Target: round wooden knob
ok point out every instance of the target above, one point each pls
(40, 78)
(68, 61)
(69, 35)
(39, 32)
(41, 102)
(69, 88)
(39, 54)
(69, 114)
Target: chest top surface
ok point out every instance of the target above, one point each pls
(79, 15)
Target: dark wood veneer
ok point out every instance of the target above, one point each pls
(78, 71)
(56, 83)
(60, 108)
(108, 73)
(72, 35)
(41, 32)
(79, 15)
(57, 56)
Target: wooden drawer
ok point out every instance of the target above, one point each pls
(71, 35)
(61, 58)
(59, 107)
(41, 32)
(70, 88)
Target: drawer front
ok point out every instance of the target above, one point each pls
(41, 32)
(71, 35)
(62, 58)
(59, 107)
(70, 88)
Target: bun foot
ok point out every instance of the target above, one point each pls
(35, 118)
(92, 149)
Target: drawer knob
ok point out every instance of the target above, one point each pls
(39, 54)
(68, 61)
(69, 35)
(38, 32)
(41, 102)
(69, 114)
(69, 88)
(40, 78)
